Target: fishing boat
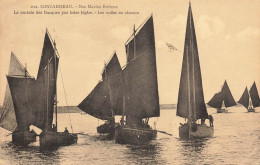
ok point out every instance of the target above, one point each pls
(36, 99)
(250, 100)
(191, 105)
(222, 100)
(47, 85)
(140, 87)
(12, 116)
(105, 100)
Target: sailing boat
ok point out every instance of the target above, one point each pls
(16, 117)
(47, 85)
(222, 99)
(105, 100)
(250, 100)
(140, 87)
(191, 103)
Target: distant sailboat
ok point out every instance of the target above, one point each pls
(105, 100)
(140, 87)
(222, 99)
(15, 116)
(250, 100)
(191, 103)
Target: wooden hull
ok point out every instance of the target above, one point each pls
(251, 110)
(203, 131)
(134, 135)
(23, 138)
(222, 110)
(53, 139)
(106, 128)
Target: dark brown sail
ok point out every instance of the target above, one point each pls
(22, 91)
(107, 95)
(244, 100)
(7, 115)
(225, 95)
(46, 83)
(254, 96)
(140, 75)
(191, 103)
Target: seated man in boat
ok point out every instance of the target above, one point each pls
(210, 117)
(203, 121)
(66, 130)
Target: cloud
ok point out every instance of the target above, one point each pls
(248, 33)
(210, 27)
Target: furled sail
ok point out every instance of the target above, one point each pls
(225, 94)
(46, 84)
(107, 95)
(140, 75)
(191, 103)
(7, 115)
(244, 100)
(254, 96)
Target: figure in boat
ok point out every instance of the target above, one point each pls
(250, 100)
(191, 105)
(105, 100)
(17, 116)
(140, 87)
(222, 100)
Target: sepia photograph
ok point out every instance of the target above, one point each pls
(129, 82)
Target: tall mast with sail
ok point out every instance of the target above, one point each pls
(7, 115)
(140, 87)
(105, 100)
(47, 90)
(191, 105)
(224, 97)
(250, 100)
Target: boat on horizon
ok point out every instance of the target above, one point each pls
(250, 100)
(140, 87)
(105, 100)
(222, 100)
(191, 104)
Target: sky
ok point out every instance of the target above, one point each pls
(228, 38)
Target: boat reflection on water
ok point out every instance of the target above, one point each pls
(145, 154)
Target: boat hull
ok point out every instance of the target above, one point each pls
(222, 111)
(23, 138)
(134, 135)
(203, 131)
(53, 139)
(251, 110)
(105, 128)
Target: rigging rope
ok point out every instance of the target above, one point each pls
(65, 97)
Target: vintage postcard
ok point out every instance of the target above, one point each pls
(129, 82)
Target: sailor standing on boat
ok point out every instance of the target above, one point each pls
(210, 117)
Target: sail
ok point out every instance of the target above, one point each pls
(23, 100)
(254, 96)
(191, 98)
(244, 100)
(97, 103)
(7, 115)
(107, 95)
(225, 95)
(46, 84)
(140, 75)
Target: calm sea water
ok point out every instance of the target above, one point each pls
(236, 141)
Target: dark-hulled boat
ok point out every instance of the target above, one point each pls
(140, 87)
(222, 100)
(47, 97)
(191, 105)
(105, 100)
(250, 100)
(16, 117)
